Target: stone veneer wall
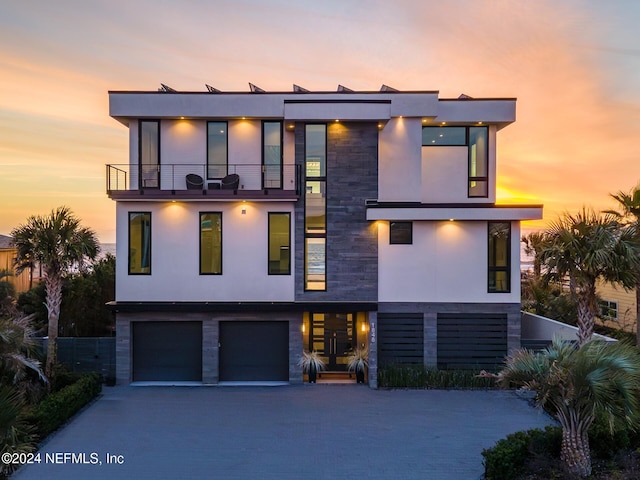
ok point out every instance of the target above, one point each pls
(352, 242)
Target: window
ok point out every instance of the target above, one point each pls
(149, 153)
(279, 243)
(272, 154)
(444, 136)
(211, 243)
(315, 207)
(217, 150)
(400, 233)
(476, 139)
(608, 310)
(139, 243)
(478, 162)
(499, 257)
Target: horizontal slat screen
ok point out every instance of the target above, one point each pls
(471, 341)
(400, 338)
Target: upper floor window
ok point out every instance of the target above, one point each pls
(139, 243)
(217, 150)
(478, 162)
(211, 243)
(315, 207)
(149, 153)
(272, 154)
(476, 139)
(400, 233)
(499, 257)
(279, 243)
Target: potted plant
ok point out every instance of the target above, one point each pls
(311, 364)
(357, 362)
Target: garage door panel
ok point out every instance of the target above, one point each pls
(254, 351)
(167, 351)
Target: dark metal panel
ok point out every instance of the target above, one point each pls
(167, 351)
(254, 351)
(400, 338)
(471, 340)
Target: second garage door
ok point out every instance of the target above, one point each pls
(254, 351)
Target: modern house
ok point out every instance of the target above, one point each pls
(253, 226)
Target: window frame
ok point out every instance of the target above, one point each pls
(281, 164)
(491, 254)
(269, 216)
(396, 241)
(141, 175)
(200, 214)
(322, 179)
(226, 162)
(130, 215)
(609, 305)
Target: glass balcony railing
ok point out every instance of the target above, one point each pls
(187, 178)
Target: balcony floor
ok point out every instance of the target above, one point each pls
(152, 194)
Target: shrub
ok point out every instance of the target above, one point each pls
(16, 435)
(507, 458)
(58, 407)
(419, 376)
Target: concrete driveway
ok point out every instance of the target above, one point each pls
(289, 432)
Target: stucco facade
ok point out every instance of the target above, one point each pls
(253, 226)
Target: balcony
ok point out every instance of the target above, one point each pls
(169, 181)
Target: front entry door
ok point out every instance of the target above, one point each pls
(335, 333)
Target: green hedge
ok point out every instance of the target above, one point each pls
(60, 406)
(506, 459)
(420, 376)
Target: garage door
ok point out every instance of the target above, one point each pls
(251, 351)
(167, 351)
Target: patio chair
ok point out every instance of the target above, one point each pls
(230, 182)
(194, 182)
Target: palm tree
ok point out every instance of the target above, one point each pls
(585, 247)
(576, 383)
(629, 203)
(58, 243)
(533, 243)
(17, 349)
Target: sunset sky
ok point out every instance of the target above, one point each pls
(573, 65)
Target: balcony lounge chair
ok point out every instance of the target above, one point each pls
(194, 182)
(230, 182)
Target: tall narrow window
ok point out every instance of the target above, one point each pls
(279, 243)
(149, 153)
(139, 243)
(499, 257)
(478, 162)
(217, 150)
(315, 207)
(272, 154)
(211, 243)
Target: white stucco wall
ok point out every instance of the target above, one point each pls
(410, 172)
(175, 254)
(400, 142)
(447, 262)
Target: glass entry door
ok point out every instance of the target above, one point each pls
(333, 336)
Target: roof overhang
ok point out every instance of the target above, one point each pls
(457, 212)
